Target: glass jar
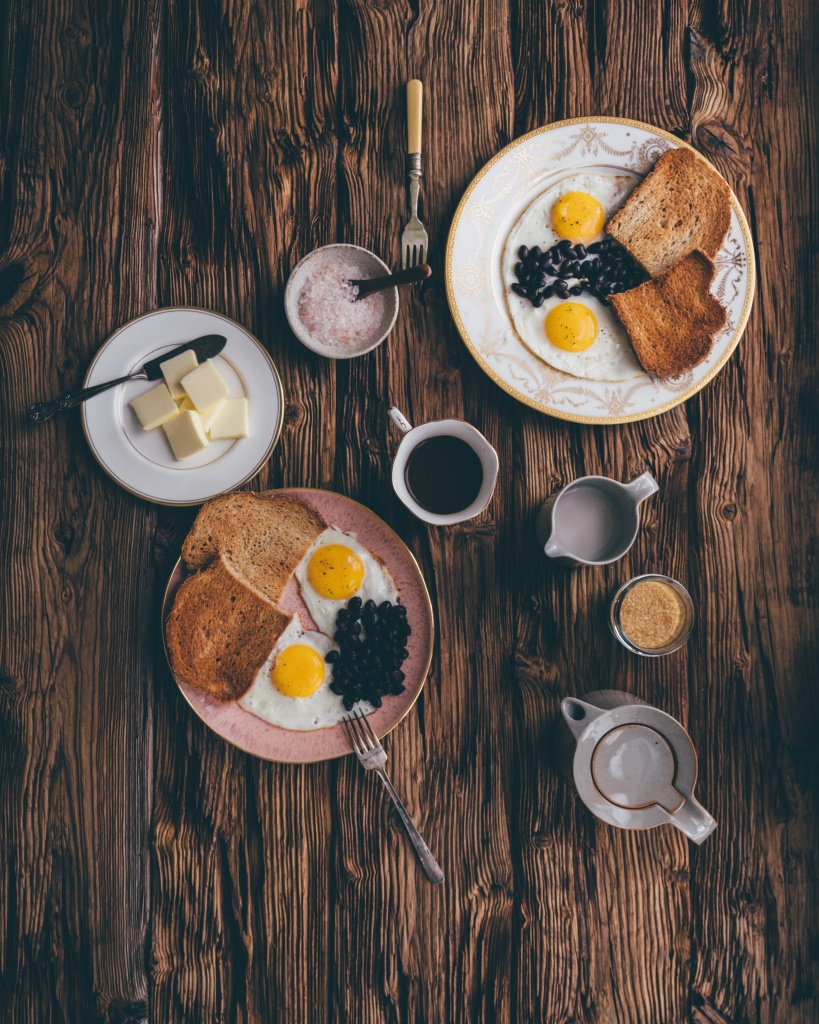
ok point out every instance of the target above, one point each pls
(680, 635)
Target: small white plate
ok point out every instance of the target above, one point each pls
(140, 460)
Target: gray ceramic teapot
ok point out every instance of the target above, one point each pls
(633, 765)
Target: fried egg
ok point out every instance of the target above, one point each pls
(580, 336)
(292, 689)
(336, 568)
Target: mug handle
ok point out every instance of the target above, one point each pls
(400, 420)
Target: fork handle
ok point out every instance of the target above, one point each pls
(430, 865)
(415, 114)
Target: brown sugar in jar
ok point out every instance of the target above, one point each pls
(652, 614)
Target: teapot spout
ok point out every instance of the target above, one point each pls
(693, 820)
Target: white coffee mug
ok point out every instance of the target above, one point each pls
(413, 436)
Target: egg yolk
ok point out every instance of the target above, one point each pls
(578, 216)
(335, 571)
(571, 326)
(298, 671)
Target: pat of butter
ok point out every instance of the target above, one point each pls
(204, 385)
(186, 435)
(209, 415)
(173, 370)
(154, 407)
(230, 421)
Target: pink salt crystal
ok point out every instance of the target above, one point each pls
(327, 308)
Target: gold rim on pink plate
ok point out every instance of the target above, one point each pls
(285, 746)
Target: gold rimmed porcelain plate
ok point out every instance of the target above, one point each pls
(273, 743)
(487, 213)
(140, 460)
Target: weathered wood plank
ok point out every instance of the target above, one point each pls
(76, 150)
(249, 130)
(445, 759)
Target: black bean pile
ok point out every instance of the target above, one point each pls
(372, 647)
(603, 268)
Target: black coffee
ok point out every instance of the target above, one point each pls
(444, 474)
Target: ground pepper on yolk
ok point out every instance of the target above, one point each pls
(578, 216)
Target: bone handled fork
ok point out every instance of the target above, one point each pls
(414, 241)
(373, 757)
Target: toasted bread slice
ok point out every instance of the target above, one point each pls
(671, 321)
(220, 632)
(262, 536)
(682, 205)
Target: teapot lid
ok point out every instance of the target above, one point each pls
(633, 766)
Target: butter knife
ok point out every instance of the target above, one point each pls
(206, 347)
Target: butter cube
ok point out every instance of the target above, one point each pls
(186, 435)
(154, 407)
(209, 414)
(185, 404)
(204, 385)
(230, 421)
(173, 370)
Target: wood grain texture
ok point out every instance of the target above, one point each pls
(185, 153)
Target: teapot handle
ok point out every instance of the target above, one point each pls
(693, 820)
(579, 715)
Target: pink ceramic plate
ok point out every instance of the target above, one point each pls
(251, 734)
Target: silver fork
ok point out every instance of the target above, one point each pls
(414, 241)
(373, 757)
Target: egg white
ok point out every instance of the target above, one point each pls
(377, 584)
(610, 356)
(320, 710)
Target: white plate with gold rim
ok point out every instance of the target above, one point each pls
(487, 213)
(140, 460)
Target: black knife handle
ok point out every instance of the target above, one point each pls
(42, 411)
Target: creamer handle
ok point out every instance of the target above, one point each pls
(642, 487)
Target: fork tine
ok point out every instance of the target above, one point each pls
(361, 742)
(349, 727)
(365, 730)
(374, 741)
(362, 736)
(421, 254)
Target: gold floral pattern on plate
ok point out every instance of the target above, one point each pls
(487, 212)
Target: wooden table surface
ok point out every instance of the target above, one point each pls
(176, 153)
